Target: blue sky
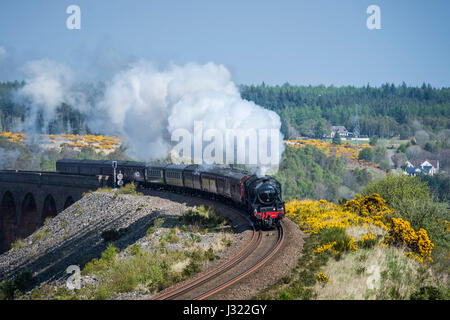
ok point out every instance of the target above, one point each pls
(300, 42)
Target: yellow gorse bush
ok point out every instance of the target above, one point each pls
(367, 236)
(327, 247)
(13, 137)
(418, 242)
(349, 150)
(322, 278)
(94, 142)
(314, 216)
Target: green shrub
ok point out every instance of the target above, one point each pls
(284, 295)
(100, 265)
(151, 270)
(150, 230)
(7, 289)
(64, 223)
(41, 235)
(77, 210)
(410, 198)
(367, 243)
(156, 223)
(366, 154)
(18, 245)
(195, 237)
(203, 217)
(209, 255)
(428, 293)
(129, 188)
(192, 268)
(172, 237)
(329, 235)
(10, 288)
(136, 250)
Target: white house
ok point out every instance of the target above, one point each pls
(339, 129)
(428, 167)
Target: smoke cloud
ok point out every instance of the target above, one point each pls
(48, 84)
(8, 158)
(144, 105)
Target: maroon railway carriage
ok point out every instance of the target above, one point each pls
(260, 196)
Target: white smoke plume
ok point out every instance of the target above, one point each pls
(145, 105)
(48, 84)
(8, 159)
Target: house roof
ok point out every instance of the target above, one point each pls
(434, 163)
(421, 163)
(338, 128)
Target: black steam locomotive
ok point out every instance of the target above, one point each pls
(260, 196)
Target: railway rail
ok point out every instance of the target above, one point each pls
(258, 251)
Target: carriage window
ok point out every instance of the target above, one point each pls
(155, 173)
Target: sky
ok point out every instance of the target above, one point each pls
(300, 42)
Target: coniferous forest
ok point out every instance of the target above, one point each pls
(384, 111)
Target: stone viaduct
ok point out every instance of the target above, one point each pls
(27, 198)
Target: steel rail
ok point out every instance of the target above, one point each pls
(236, 259)
(269, 254)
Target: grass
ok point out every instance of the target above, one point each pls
(376, 273)
(372, 272)
(143, 270)
(129, 188)
(171, 236)
(135, 250)
(299, 284)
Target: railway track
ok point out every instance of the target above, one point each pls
(262, 246)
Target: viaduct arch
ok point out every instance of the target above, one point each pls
(28, 198)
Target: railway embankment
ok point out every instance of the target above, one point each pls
(175, 235)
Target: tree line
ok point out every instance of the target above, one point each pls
(384, 111)
(310, 111)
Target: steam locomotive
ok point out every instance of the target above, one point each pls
(260, 196)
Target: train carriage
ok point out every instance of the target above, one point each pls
(191, 175)
(155, 174)
(209, 183)
(173, 174)
(131, 170)
(261, 196)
